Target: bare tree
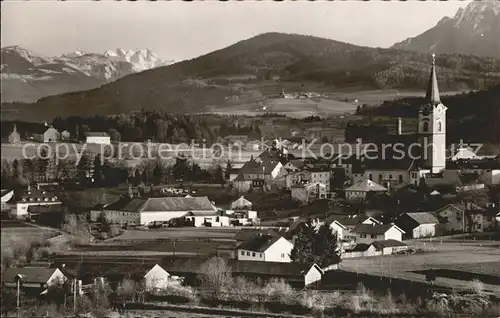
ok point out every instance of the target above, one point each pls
(215, 277)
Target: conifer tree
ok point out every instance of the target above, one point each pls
(326, 247)
(302, 251)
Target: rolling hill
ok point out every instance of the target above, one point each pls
(258, 66)
(474, 29)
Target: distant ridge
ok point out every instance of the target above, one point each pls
(246, 69)
(28, 75)
(474, 29)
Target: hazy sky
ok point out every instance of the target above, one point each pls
(179, 30)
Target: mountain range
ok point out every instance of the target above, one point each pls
(27, 75)
(251, 67)
(474, 29)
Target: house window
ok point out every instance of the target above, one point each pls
(390, 177)
(439, 126)
(400, 178)
(283, 255)
(370, 176)
(242, 252)
(253, 254)
(373, 236)
(260, 255)
(380, 177)
(362, 235)
(248, 253)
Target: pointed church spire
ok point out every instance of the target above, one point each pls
(432, 95)
(15, 128)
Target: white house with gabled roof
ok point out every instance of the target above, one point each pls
(265, 248)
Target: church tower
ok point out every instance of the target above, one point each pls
(432, 126)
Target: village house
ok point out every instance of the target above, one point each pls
(377, 248)
(34, 280)
(294, 165)
(157, 279)
(49, 135)
(388, 247)
(240, 212)
(258, 173)
(265, 248)
(343, 225)
(148, 210)
(65, 135)
(154, 278)
(307, 193)
(317, 174)
(7, 195)
(451, 218)
(362, 190)
(418, 224)
(366, 233)
(19, 203)
(14, 137)
(97, 138)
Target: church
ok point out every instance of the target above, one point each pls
(406, 158)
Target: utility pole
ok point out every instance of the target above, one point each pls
(18, 291)
(74, 297)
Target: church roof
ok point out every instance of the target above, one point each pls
(432, 94)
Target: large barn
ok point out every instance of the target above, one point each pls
(147, 210)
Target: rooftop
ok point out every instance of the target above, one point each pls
(96, 134)
(366, 185)
(387, 243)
(424, 217)
(259, 243)
(372, 229)
(29, 274)
(162, 204)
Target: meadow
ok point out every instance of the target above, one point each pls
(465, 257)
(15, 233)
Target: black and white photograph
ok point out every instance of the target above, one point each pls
(250, 159)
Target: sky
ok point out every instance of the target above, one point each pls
(180, 30)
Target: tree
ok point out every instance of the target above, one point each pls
(326, 248)
(431, 277)
(302, 251)
(218, 175)
(41, 164)
(114, 135)
(229, 167)
(83, 167)
(215, 276)
(98, 170)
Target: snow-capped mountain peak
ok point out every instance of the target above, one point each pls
(29, 76)
(141, 60)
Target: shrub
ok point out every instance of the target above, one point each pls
(477, 286)
(279, 290)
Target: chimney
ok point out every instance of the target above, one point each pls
(400, 126)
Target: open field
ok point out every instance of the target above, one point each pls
(185, 233)
(14, 233)
(464, 257)
(335, 103)
(295, 108)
